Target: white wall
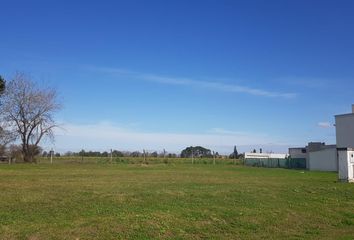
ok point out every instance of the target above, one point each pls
(323, 160)
(266, 155)
(346, 165)
(345, 130)
(351, 166)
(256, 155)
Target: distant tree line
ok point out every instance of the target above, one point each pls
(116, 153)
(189, 152)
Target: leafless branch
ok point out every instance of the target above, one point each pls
(28, 111)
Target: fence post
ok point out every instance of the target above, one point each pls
(111, 156)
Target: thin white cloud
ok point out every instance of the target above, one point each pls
(213, 85)
(324, 125)
(105, 135)
(223, 131)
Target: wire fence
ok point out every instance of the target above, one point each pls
(135, 160)
(293, 163)
(254, 162)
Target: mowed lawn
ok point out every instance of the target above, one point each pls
(167, 201)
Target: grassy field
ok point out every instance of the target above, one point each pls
(172, 201)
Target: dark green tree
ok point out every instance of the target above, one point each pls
(234, 154)
(82, 153)
(197, 151)
(117, 153)
(154, 154)
(135, 154)
(45, 154)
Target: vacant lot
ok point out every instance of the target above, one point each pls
(167, 201)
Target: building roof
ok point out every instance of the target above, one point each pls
(344, 115)
(265, 155)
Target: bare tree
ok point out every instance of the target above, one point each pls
(28, 110)
(5, 136)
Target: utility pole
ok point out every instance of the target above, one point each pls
(111, 156)
(213, 157)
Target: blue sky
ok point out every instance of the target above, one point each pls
(169, 74)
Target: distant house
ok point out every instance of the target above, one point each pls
(339, 157)
(317, 155)
(299, 153)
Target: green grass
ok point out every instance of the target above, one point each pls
(172, 201)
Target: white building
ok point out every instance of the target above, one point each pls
(265, 155)
(271, 160)
(345, 145)
(346, 165)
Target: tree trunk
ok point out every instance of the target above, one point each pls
(27, 156)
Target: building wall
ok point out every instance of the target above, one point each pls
(265, 155)
(315, 146)
(345, 130)
(346, 165)
(278, 155)
(298, 152)
(323, 160)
